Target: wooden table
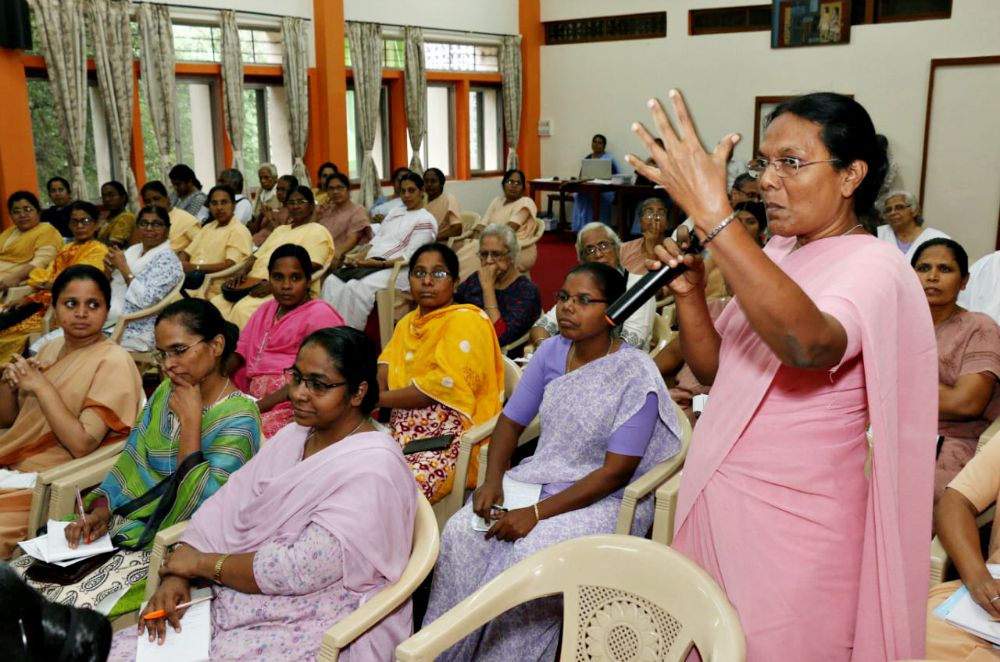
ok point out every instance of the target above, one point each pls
(624, 194)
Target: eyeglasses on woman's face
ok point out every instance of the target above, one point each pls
(82, 221)
(143, 224)
(786, 166)
(600, 247)
(583, 300)
(176, 352)
(437, 274)
(654, 214)
(317, 387)
(899, 206)
(496, 255)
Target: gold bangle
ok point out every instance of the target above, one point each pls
(217, 575)
(538, 518)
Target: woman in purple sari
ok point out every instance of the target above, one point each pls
(606, 418)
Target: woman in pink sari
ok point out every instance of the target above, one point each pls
(314, 526)
(823, 557)
(273, 334)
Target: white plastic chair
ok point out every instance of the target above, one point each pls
(392, 304)
(624, 598)
(470, 220)
(216, 276)
(662, 335)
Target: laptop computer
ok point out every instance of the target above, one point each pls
(595, 169)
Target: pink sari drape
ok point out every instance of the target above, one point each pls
(820, 561)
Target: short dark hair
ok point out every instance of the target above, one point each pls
(118, 187)
(609, 280)
(202, 318)
(84, 206)
(292, 180)
(758, 209)
(291, 250)
(61, 180)
(82, 272)
(225, 188)
(742, 179)
(23, 195)
(446, 253)
(399, 171)
(340, 177)
(183, 173)
(603, 138)
(410, 176)
(513, 171)
(848, 134)
(234, 177)
(154, 185)
(306, 193)
(961, 257)
(327, 164)
(353, 354)
(438, 172)
(160, 212)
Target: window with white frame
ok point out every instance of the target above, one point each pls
(265, 131)
(486, 142)
(381, 148)
(442, 56)
(438, 146)
(203, 43)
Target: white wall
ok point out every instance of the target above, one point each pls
(885, 67)
(492, 16)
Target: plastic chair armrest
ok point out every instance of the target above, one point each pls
(161, 543)
(641, 487)
(666, 507)
(992, 431)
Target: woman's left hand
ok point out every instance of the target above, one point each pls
(694, 178)
(185, 400)
(513, 525)
(184, 561)
(25, 374)
(115, 258)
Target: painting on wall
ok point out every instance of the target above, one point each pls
(810, 23)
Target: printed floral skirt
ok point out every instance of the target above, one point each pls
(281, 414)
(434, 470)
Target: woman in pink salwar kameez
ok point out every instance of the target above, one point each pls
(824, 556)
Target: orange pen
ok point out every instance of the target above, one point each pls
(160, 613)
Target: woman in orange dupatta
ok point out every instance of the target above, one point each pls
(518, 211)
(442, 372)
(823, 557)
(29, 313)
(82, 391)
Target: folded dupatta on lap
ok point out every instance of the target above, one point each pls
(360, 489)
(872, 281)
(147, 490)
(452, 355)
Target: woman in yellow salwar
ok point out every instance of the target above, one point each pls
(119, 226)
(243, 295)
(28, 243)
(442, 372)
(27, 316)
(80, 392)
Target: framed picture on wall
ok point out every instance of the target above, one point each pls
(762, 107)
(810, 23)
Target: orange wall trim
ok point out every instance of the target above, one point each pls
(328, 129)
(17, 162)
(529, 145)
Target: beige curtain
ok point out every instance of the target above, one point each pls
(415, 79)
(61, 28)
(510, 69)
(365, 40)
(156, 58)
(232, 85)
(110, 28)
(294, 64)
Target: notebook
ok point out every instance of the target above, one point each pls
(962, 611)
(57, 549)
(191, 644)
(515, 495)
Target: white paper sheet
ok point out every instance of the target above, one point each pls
(516, 494)
(191, 644)
(15, 480)
(36, 548)
(962, 611)
(57, 549)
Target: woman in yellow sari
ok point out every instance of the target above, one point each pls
(27, 244)
(442, 372)
(119, 227)
(27, 316)
(82, 391)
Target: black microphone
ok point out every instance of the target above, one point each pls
(647, 287)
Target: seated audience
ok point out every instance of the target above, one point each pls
(315, 525)
(351, 289)
(386, 203)
(187, 193)
(583, 203)
(597, 242)
(511, 300)
(19, 320)
(272, 336)
(518, 211)
(606, 418)
(184, 227)
(982, 294)
(28, 243)
(753, 215)
(323, 174)
(653, 224)
(119, 223)
(57, 215)
(442, 371)
(443, 206)
(904, 226)
(745, 188)
(267, 194)
(35, 629)
(251, 286)
(242, 209)
(346, 220)
(269, 219)
(80, 392)
(971, 492)
(195, 431)
(219, 245)
(968, 358)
